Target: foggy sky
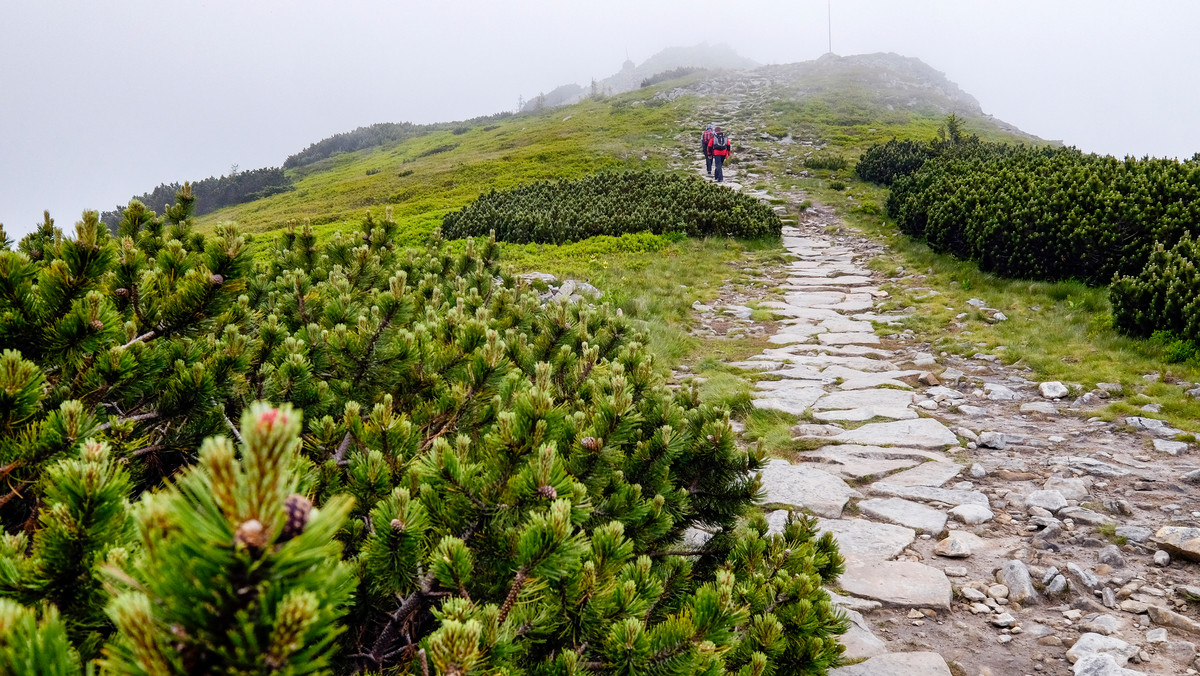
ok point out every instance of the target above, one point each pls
(99, 103)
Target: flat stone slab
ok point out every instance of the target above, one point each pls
(881, 398)
(898, 664)
(855, 338)
(840, 280)
(804, 486)
(851, 466)
(795, 402)
(904, 513)
(865, 414)
(921, 433)
(1179, 541)
(932, 474)
(946, 496)
(845, 325)
(867, 541)
(853, 379)
(898, 584)
(859, 640)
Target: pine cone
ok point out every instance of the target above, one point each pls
(590, 443)
(547, 492)
(298, 509)
(250, 534)
(122, 292)
(397, 525)
(96, 325)
(217, 280)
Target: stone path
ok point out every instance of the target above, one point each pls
(970, 502)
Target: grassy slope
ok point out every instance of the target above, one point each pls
(421, 184)
(1061, 331)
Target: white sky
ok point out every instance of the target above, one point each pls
(98, 103)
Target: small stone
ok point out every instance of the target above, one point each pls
(1052, 641)
(928, 378)
(1086, 578)
(1057, 585)
(1170, 447)
(1156, 635)
(994, 440)
(955, 571)
(1111, 555)
(971, 594)
(1108, 598)
(980, 609)
(1073, 614)
(1015, 575)
(1053, 390)
(1071, 488)
(998, 591)
(1049, 500)
(1003, 620)
(1162, 559)
(953, 548)
(1101, 624)
(1170, 618)
(977, 471)
(972, 514)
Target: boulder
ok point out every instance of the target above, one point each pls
(1015, 575)
(1181, 541)
(1053, 390)
(1095, 644)
(972, 515)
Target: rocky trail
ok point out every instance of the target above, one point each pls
(990, 525)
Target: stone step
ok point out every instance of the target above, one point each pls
(897, 584)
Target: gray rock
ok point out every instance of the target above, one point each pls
(540, 277)
(997, 392)
(905, 513)
(955, 571)
(929, 494)
(932, 474)
(1051, 501)
(865, 540)
(1015, 575)
(1182, 541)
(859, 640)
(972, 594)
(1111, 555)
(1156, 636)
(1070, 488)
(898, 664)
(1084, 577)
(1170, 447)
(972, 515)
(586, 289)
(1081, 515)
(1191, 477)
(973, 411)
(1057, 585)
(1134, 533)
(1087, 465)
(994, 440)
(953, 547)
(1102, 665)
(920, 433)
(1170, 618)
(977, 471)
(1041, 407)
(804, 486)
(1101, 624)
(901, 584)
(1158, 428)
(1181, 651)
(1003, 620)
(1096, 644)
(1053, 390)
(1162, 559)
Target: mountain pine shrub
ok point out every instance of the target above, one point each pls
(453, 477)
(1164, 296)
(613, 203)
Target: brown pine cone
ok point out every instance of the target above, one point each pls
(298, 509)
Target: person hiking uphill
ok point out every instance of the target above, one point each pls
(720, 149)
(705, 142)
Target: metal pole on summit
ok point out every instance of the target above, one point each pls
(829, 20)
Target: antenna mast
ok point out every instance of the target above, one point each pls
(829, 18)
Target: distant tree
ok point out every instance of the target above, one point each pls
(954, 129)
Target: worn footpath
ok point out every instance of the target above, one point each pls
(990, 526)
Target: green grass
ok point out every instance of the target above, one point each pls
(425, 177)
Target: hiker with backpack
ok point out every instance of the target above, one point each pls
(720, 149)
(706, 141)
